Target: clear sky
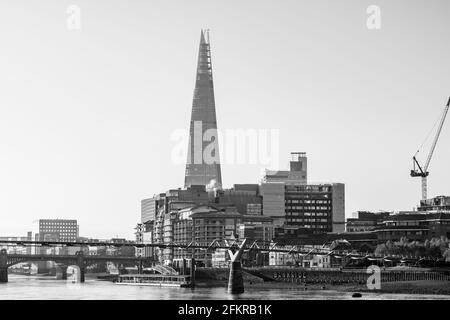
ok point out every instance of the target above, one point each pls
(86, 115)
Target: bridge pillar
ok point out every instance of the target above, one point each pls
(184, 266)
(81, 265)
(235, 279)
(61, 271)
(64, 273)
(3, 266)
(192, 272)
(140, 266)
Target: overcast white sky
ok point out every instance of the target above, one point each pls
(86, 116)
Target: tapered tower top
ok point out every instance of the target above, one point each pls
(203, 163)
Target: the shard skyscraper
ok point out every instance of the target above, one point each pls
(203, 164)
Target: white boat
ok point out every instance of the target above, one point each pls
(156, 280)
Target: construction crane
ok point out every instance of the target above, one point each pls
(419, 171)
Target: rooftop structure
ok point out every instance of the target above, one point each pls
(297, 173)
(436, 203)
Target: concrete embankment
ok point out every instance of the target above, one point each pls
(348, 276)
(219, 277)
(409, 287)
(102, 276)
(215, 277)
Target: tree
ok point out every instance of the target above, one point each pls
(446, 255)
(365, 247)
(127, 251)
(381, 250)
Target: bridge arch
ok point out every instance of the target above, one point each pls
(79, 259)
(38, 259)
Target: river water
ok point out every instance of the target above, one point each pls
(30, 288)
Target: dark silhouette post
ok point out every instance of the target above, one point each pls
(192, 272)
(235, 280)
(3, 266)
(81, 264)
(64, 272)
(140, 267)
(184, 266)
(61, 271)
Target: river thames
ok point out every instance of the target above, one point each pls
(31, 288)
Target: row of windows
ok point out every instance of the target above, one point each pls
(307, 226)
(402, 233)
(308, 214)
(208, 232)
(308, 201)
(308, 207)
(57, 224)
(308, 220)
(57, 227)
(318, 226)
(44, 230)
(292, 196)
(403, 223)
(308, 188)
(210, 227)
(314, 223)
(358, 229)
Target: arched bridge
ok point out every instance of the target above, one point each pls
(79, 259)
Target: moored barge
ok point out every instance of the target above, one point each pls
(156, 280)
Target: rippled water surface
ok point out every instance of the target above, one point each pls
(24, 287)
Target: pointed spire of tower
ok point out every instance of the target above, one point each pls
(202, 37)
(203, 164)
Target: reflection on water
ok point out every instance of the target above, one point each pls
(24, 287)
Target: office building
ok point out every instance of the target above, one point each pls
(203, 163)
(58, 230)
(311, 208)
(149, 208)
(365, 221)
(317, 208)
(262, 231)
(415, 226)
(144, 235)
(245, 197)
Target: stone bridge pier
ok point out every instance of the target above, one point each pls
(3, 266)
(81, 264)
(140, 267)
(61, 271)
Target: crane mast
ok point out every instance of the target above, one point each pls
(423, 171)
